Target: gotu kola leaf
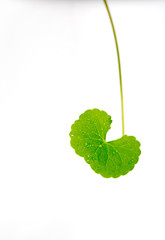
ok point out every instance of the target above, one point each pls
(110, 159)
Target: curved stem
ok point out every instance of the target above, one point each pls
(119, 64)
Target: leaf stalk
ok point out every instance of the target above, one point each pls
(119, 64)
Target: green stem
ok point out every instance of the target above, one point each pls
(118, 56)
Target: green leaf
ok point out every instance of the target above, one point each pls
(110, 159)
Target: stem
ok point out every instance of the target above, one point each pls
(119, 64)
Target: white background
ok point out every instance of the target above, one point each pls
(57, 59)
